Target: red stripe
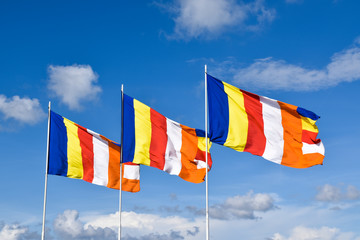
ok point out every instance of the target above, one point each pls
(87, 153)
(200, 155)
(158, 139)
(310, 137)
(256, 138)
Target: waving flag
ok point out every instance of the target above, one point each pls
(77, 152)
(277, 131)
(154, 140)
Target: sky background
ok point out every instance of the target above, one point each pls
(77, 54)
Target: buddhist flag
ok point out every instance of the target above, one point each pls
(154, 140)
(277, 131)
(77, 152)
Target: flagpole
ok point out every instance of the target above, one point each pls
(121, 157)
(46, 174)
(206, 157)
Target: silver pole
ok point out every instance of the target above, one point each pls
(121, 157)
(206, 157)
(46, 174)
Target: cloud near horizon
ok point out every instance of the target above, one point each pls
(24, 110)
(16, 232)
(272, 74)
(73, 84)
(210, 18)
(323, 233)
(330, 193)
(239, 207)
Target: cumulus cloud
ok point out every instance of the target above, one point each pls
(209, 18)
(323, 233)
(173, 235)
(68, 226)
(274, 74)
(16, 232)
(330, 193)
(135, 226)
(239, 207)
(24, 110)
(73, 84)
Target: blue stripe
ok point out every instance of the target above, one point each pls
(58, 164)
(218, 110)
(200, 133)
(129, 129)
(306, 113)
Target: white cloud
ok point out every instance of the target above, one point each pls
(12, 232)
(149, 224)
(73, 84)
(16, 232)
(280, 223)
(239, 207)
(208, 18)
(68, 226)
(135, 226)
(323, 233)
(330, 193)
(24, 110)
(273, 74)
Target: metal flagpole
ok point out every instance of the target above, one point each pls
(46, 174)
(121, 157)
(206, 157)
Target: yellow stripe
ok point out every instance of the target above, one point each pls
(75, 167)
(202, 144)
(238, 119)
(142, 133)
(309, 124)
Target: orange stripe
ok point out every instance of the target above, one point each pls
(312, 159)
(291, 121)
(130, 185)
(114, 165)
(189, 147)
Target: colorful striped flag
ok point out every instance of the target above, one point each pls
(154, 140)
(277, 131)
(77, 152)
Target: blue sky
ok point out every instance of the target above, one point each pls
(77, 54)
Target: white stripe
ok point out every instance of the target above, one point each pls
(200, 164)
(101, 160)
(313, 148)
(173, 155)
(131, 172)
(273, 130)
